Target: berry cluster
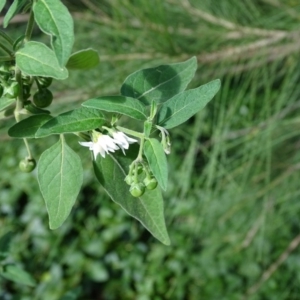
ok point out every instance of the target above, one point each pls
(140, 178)
(18, 87)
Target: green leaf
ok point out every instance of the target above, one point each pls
(29, 108)
(6, 102)
(16, 6)
(157, 160)
(2, 4)
(18, 275)
(27, 128)
(82, 119)
(36, 59)
(118, 104)
(148, 209)
(5, 244)
(83, 59)
(160, 83)
(54, 19)
(181, 107)
(60, 179)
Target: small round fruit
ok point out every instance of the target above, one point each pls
(150, 183)
(42, 98)
(27, 165)
(137, 189)
(129, 179)
(45, 81)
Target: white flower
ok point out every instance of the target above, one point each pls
(101, 143)
(122, 140)
(165, 140)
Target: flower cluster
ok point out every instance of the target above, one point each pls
(103, 143)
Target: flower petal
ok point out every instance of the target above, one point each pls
(86, 144)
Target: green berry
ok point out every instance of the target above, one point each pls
(45, 81)
(42, 98)
(27, 165)
(137, 189)
(128, 179)
(150, 183)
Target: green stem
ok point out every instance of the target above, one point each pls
(6, 37)
(29, 28)
(131, 132)
(140, 155)
(20, 99)
(28, 149)
(5, 58)
(19, 107)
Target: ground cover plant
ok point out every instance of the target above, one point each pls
(231, 206)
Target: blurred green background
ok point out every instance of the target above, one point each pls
(232, 207)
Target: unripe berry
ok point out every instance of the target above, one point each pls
(137, 189)
(45, 81)
(42, 98)
(129, 179)
(150, 183)
(27, 165)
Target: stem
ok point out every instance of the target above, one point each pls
(5, 58)
(20, 99)
(28, 149)
(29, 28)
(131, 132)
(6, 37)
(19, 107)
(140, 155)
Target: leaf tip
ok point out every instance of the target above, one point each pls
(167, 242)
(54, 225)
